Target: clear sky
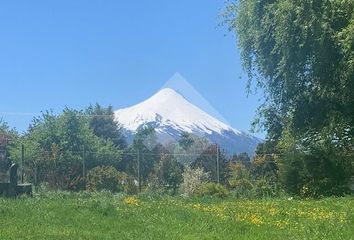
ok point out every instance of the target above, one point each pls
(72, 53)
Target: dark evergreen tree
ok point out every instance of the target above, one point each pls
(167, 173)
(103, 124)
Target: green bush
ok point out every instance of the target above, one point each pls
(241, 184)
(256, 189)
(212, 189)
(106, 178)
(317, 173)
(266, 189)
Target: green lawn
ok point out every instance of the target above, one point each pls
(105, 216)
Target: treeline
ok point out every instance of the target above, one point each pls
(87, 150)
(55, 146)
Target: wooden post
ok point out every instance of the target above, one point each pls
(83, 167)
(22, 160)
(83, 162)
(217, 164)
(139, 178)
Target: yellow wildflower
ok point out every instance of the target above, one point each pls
(131, 201)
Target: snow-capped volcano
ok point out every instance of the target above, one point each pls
(171, 114)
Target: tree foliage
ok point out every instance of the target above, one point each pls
(301, 54)
(106, 178)
(167, 173)
(145, 149)
(103, 124)
(7, 136)
(56, 145)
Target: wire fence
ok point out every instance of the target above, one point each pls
(34, 166)
(68, 167)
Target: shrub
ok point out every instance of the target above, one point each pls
(212, 189)
(106, 178)
(241, 184)
(316, 173)
(264, 189)
(192, 179)
(256, 189)
(242, 188)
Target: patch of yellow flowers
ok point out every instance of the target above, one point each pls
(258, 214)
(279, 214)
(131, 201)
(251, 218)
(217, 210)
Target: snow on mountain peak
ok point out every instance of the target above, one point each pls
(171, 114)
(169, 108)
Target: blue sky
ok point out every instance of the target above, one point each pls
(72, 53)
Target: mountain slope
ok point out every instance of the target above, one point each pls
(170, 113)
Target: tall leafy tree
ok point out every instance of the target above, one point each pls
(167, 173)
(103, 124)
(301, 54)
(59, 147)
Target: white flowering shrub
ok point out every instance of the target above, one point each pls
(192, 179)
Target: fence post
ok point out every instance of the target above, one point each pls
(217, 164)
(83, 167)
(22, 160)
(139, 178)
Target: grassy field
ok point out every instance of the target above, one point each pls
(106, 216)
